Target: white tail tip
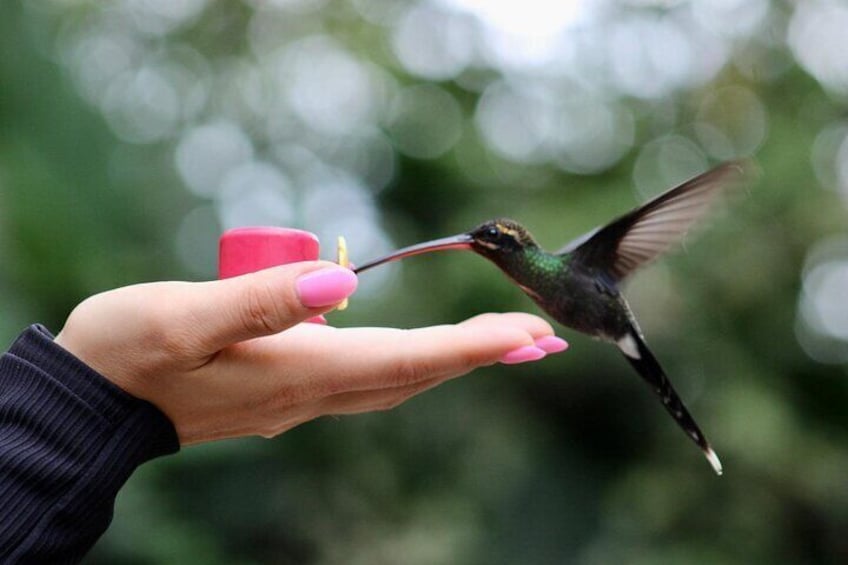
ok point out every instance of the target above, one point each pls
(713, 459)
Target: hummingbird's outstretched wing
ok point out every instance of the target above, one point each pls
(640, 236)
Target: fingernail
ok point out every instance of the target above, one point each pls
(551, 344)
(523, 354)
(325, 286)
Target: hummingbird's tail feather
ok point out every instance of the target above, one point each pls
(637, 354)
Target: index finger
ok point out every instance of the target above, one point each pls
(341, 360)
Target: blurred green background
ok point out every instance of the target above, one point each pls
(132, 132)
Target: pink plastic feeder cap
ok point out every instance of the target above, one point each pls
(246, 250)
(250, 249)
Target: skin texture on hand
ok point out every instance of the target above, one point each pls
(230, 358)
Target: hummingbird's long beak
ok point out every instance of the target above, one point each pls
(461, 241)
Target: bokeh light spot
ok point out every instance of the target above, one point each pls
(590, 135)
(822, 306)
(732, 122)
(730, 17)
(425, 121)
(328, 88)
(206, 153)
(432, 43)
(817, 37)
(825, 308)
(514, 122)
(159, 17)
(142, 106)
(256, 194)
(650, 56)
(666, 162)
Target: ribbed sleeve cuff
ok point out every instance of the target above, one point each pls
(154, 431)
(69, 439)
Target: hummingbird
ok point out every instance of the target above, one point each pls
(579, 285)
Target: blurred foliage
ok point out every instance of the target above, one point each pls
(132, 133)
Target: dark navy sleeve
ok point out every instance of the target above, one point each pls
(69, 440)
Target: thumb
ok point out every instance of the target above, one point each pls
(268, 301)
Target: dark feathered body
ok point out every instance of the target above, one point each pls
(579, 285)
(571, 294)
(583, 299)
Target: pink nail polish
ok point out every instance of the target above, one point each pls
(522, 355)
(325, 286)
(551, 344)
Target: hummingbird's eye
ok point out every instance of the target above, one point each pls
(493, 232)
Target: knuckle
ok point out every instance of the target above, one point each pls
(262, 310)
(281, 401)
(271, 432)
(468, 360)
(267, 433)
(406, 371)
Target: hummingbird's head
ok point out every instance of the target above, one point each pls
(500, 236)
(495, 240)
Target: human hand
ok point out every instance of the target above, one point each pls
(230, 358)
